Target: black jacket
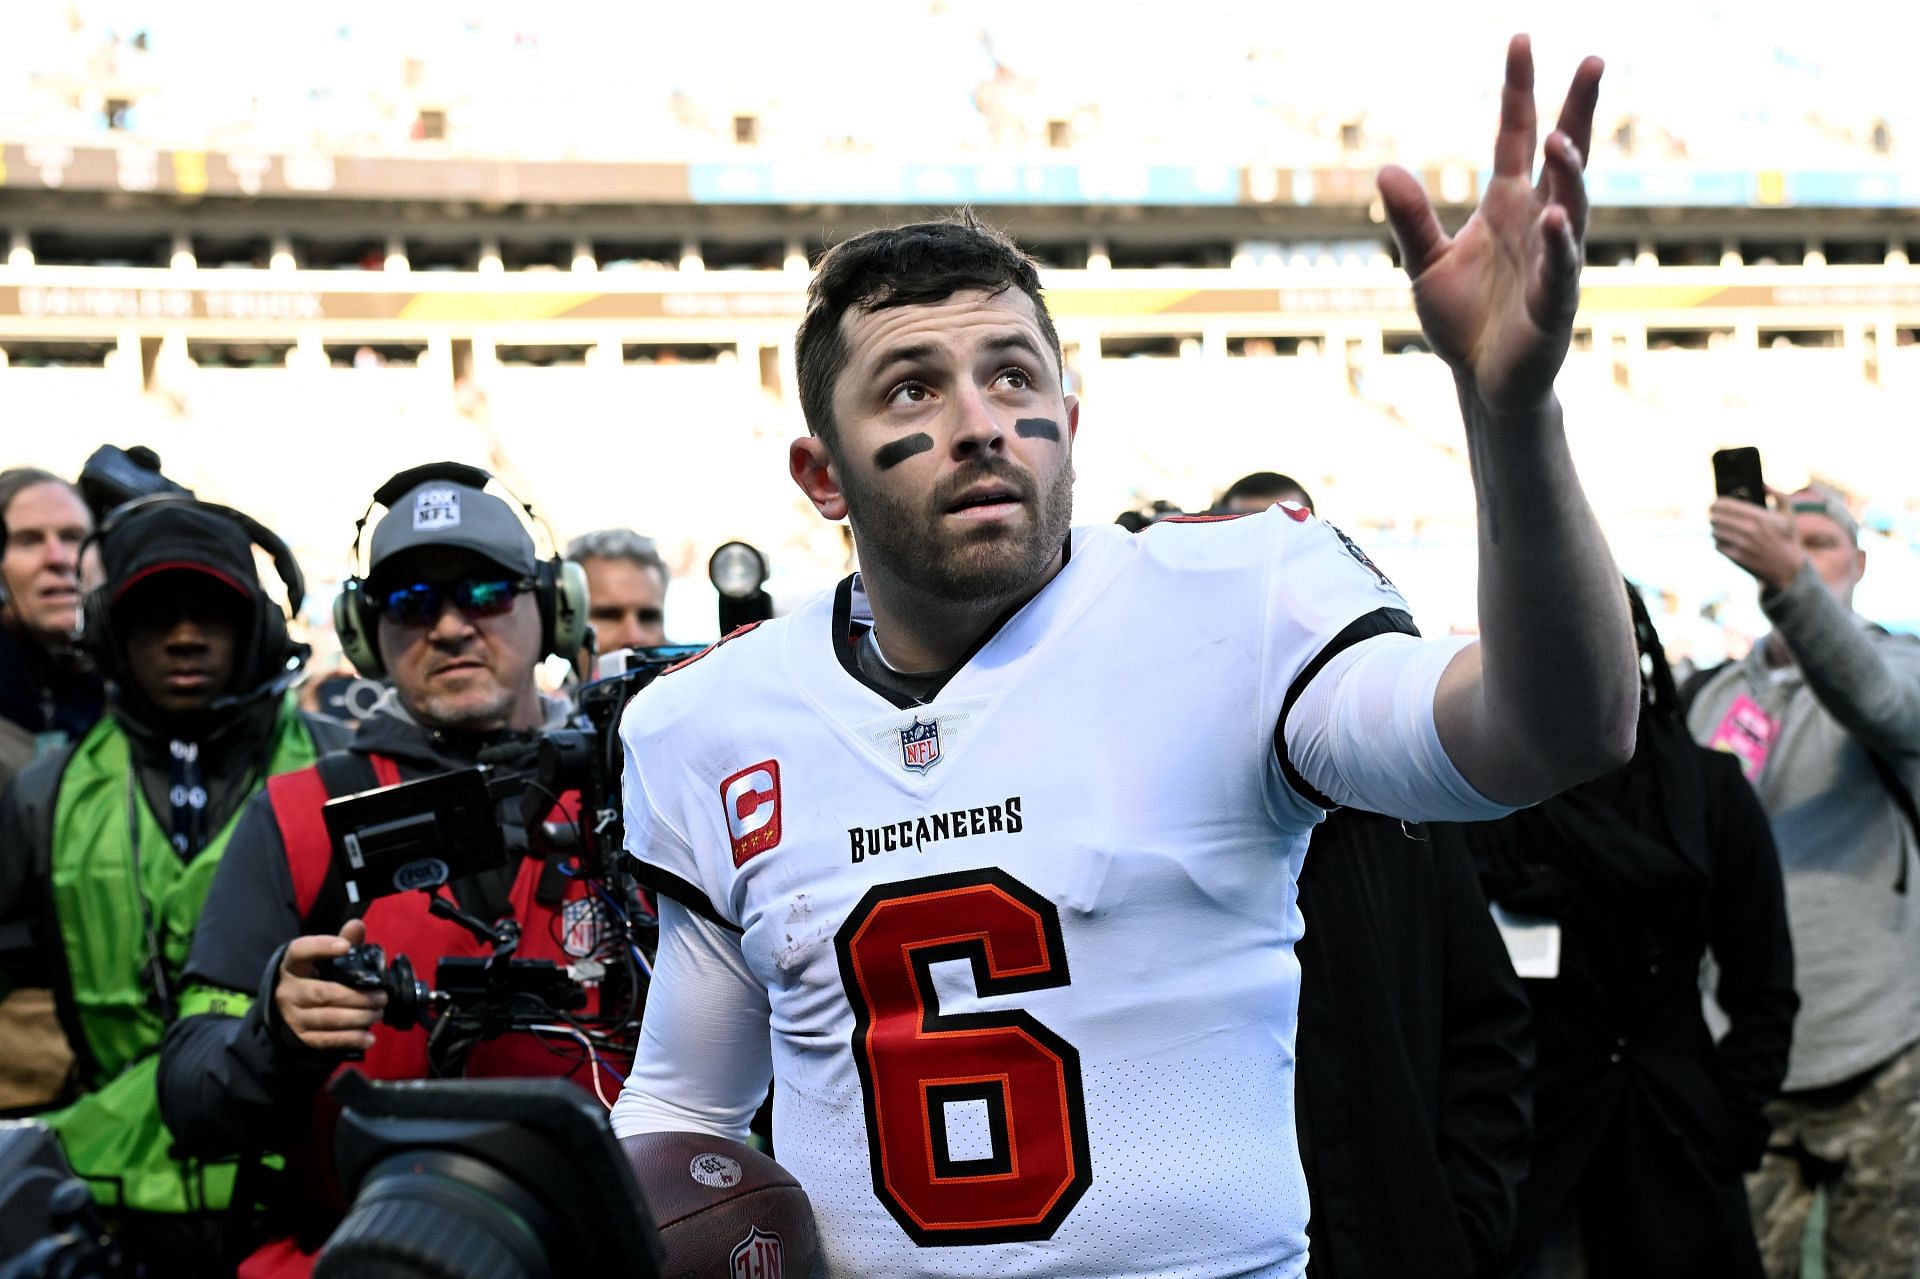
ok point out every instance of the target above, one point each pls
(1415, 1056)
(41, 692)
(234, 1084)
(1646, 869)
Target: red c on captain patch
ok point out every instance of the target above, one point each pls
(751, 798)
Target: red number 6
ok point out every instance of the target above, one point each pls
(915, 1062)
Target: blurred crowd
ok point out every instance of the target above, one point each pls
(593, 81)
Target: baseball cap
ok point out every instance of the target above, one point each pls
(447, 513)
(1823, 499)
(172, 536)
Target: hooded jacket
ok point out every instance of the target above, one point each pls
(107, 846)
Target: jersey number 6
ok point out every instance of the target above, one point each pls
(975, 1122)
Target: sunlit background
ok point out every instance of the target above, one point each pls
(295, 249)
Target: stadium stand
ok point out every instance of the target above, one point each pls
(342, 261)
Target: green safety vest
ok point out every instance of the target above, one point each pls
(114, 1136)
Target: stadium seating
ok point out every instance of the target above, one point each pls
(1294, 85)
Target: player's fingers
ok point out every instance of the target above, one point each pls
(1576, 113)
(1410, 216)
(1513, 147)
(354, 931)
(1556, 285)
(1565, 183)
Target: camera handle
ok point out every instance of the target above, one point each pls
(504, 936)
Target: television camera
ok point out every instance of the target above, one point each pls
(423, 835)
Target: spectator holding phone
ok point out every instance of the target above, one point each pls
(1824, 716)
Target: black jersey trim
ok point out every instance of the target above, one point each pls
(1382, 621)
(668, 884)
(845, 636)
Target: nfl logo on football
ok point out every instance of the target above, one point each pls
(920, 746)
(757, 1256)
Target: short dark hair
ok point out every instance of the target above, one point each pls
(1269, 484)
(903, 266)
(16, 480)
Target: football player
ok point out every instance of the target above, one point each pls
(988, 856)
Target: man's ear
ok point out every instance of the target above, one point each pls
(1859, 563)
(811, 464)
(1073, 417)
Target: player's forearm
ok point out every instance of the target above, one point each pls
(1558, 689)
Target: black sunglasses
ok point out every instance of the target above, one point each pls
(419, 604)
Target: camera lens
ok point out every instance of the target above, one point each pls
(436, 1214)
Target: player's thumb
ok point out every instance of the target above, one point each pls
(354, 931)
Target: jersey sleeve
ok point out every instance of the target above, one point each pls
(1348, 684)
(705, 1056)
(1362, 733)
(1322, 596)
(652, 785)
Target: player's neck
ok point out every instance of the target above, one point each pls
(919, 632)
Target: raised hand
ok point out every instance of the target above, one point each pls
(1760, 539)
(1497, 300)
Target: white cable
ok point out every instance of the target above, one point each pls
(593, 1060)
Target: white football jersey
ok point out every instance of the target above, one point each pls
(1028, 948)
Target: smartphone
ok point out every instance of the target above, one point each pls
(1736, 473)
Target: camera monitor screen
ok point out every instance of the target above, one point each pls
(414, 835)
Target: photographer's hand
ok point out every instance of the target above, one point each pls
(1760, 539)
(325, 1015)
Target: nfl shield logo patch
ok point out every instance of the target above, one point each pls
(920, 745)
(759, 1256)
(581, 927)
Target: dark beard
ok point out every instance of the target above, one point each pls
(917, 545)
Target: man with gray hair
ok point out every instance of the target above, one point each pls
(1824, 716)
(626, 588)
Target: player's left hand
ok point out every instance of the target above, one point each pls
(1497, 300)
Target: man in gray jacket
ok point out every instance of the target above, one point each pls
(1824, 715)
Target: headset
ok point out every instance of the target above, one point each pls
(270, 639)
(559, 585)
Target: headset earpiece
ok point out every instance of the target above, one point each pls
(565, 622)
(559, 585)
(96, 638)
(357, 630)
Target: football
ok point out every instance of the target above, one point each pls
(723, 1210)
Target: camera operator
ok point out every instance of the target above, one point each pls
(457, 612)
(107, 847)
